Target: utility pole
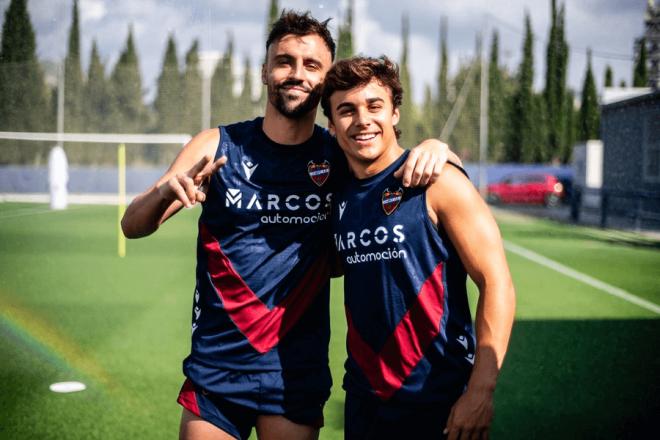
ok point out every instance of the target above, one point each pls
(208, 60)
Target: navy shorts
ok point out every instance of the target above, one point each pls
(369, 418)
(236, 419)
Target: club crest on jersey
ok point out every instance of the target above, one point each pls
(318, 172)
(391, 200)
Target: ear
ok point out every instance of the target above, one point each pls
(395, 116)
(331, 128)
(263, 74)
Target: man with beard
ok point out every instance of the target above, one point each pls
(260, 324)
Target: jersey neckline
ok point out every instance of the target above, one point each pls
(367, 181)
(313, 139)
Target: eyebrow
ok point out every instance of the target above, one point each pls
(349, 105)
(287, 57)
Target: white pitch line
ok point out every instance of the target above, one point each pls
(584, 278)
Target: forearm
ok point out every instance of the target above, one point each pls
(147, 212)
(494, 320)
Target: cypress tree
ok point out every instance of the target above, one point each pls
(128, 112)
(23, 95)
(222, 90)
(192, 92)
(497, 103)
(640, 74)
(556, 62)
(407, 119)
(345, 38)
(24, 98)
(571, 124)
(589, 111)
(73, 78)
(609, 77)
(273, 14)
(465, 134)
(424, 128)
(244, 107)
(521, 145)
(97, 97)
(442, 106)
(168, 98)
(623, 84)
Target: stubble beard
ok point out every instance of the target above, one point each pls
(277, 95)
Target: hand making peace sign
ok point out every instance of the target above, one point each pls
(190, 187)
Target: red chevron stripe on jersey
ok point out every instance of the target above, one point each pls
(403, 350)
(262, 326)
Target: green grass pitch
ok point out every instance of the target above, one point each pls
(581, 363)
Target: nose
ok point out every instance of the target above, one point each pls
(296, 71)
(362, 118)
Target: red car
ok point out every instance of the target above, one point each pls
(538, 188)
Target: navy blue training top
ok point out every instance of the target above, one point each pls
(262, 289)
(410, 334)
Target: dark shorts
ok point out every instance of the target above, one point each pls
(367, 418)
(236, 419)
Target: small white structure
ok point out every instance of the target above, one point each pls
(58, 178)
(588, 171)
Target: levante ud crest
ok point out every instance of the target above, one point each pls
(318, 172)
(391, 200)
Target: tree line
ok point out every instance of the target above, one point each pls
(524, 125)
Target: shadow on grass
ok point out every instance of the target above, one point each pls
(580, 379)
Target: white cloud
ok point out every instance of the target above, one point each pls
(604, 25)
(92, 10)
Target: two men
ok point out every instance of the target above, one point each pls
(260, 326)
(414, 370)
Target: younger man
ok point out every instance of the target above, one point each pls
(413, 370)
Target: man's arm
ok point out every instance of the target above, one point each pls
(178, 187)
(425, 163)
(454, 203)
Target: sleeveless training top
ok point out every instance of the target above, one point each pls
(262, 290)
(410, 335)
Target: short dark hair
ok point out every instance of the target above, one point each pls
(358, 71)
(297, 23)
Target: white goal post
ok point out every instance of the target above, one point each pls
(119, 139)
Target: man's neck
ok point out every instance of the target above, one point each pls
(287, 131)
(363, 170)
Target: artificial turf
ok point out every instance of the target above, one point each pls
(581, 363)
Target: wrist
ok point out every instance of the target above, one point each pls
(481, 386)
(164, 194)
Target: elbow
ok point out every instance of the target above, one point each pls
(126, 228)
(130, 229)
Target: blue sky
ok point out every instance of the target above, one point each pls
(609, 27)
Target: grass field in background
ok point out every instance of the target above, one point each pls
(581, 363)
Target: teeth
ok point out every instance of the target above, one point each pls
(365, 137)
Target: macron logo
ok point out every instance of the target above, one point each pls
(463, 341)
(249, 168)
(233, 197)
(342, 207)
